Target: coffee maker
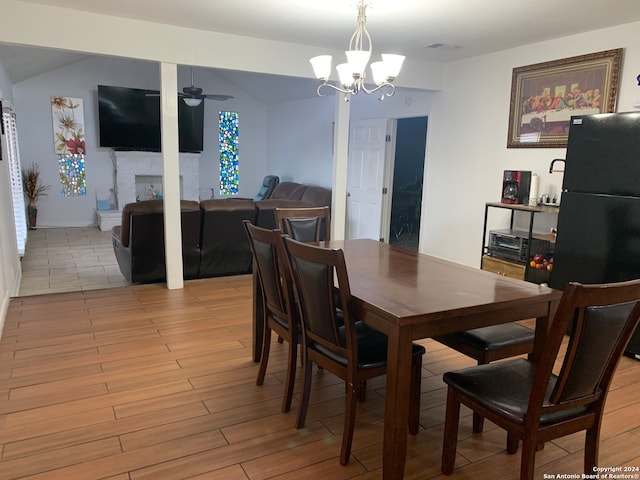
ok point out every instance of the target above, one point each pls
(515, 186)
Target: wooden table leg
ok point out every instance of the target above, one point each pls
(396, 413)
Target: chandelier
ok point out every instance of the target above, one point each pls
(352, 73)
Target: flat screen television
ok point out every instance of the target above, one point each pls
(130, 120)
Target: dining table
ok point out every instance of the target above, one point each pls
(411, 296)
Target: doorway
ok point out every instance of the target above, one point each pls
(408, 172)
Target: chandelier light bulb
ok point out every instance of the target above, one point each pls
(346, 75)
(393, 64)
(321, 66)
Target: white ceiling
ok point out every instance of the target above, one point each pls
(474, 27)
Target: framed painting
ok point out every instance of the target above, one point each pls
(544, 96)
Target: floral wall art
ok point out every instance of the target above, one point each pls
(69, 144)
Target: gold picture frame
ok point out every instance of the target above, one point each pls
(544, 96)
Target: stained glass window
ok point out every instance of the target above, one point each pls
(73, 182)
(229, 179)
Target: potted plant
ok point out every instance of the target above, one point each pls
(33, 188)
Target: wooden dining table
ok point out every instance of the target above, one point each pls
(411, 296)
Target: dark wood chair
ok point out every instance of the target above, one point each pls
(488, 344)
(335, 340)
(531, 402)
(310, 224)
(280, 314)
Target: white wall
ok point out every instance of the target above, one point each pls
(404, 103)
(10, 272)
(300, 133)
(80, 80)
(299, 141)
(467, 137)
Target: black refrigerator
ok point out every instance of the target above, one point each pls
(598, 237)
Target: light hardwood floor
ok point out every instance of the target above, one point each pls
(148, 383)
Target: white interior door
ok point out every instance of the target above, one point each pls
(365, 178)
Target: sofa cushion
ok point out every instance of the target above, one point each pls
(288, 190)
(148, 206)
(317, 196)
(224, 248)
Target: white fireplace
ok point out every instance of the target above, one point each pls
(138, 174)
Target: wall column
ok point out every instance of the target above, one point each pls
(171, 177)
(340, 167)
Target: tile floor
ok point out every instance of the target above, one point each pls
(68, 260)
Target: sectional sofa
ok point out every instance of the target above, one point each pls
(214, 242)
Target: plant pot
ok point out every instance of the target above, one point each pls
(33, 216)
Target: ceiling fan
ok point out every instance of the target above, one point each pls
(193, 95)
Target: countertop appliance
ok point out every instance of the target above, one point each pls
(515, 186)
(598, 237)
(515, 245)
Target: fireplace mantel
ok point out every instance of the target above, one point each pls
(128, 165)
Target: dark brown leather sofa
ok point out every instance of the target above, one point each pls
(138, 242)
(214, 241)
(225, 247)
(290, 195)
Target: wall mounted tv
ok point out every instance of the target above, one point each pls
(130, 120)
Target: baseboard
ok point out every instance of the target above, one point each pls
(4, 306)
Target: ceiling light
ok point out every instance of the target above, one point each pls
(192, 102)
(352, 73)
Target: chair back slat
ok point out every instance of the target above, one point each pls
(314, 270)
(305, 224)
(305, 229)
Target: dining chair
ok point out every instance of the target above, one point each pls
(306, 224)
(529, 400)
(488, 344)
(310, 224)
(335, 340)
(280, 314)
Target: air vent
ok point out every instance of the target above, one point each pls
(446, 46)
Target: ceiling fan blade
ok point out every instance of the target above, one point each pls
(220, 98)
(180, 95)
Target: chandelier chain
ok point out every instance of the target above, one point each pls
(361, 33)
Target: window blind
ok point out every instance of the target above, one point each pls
(15, 174)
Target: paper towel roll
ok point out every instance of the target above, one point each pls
(533, 191)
